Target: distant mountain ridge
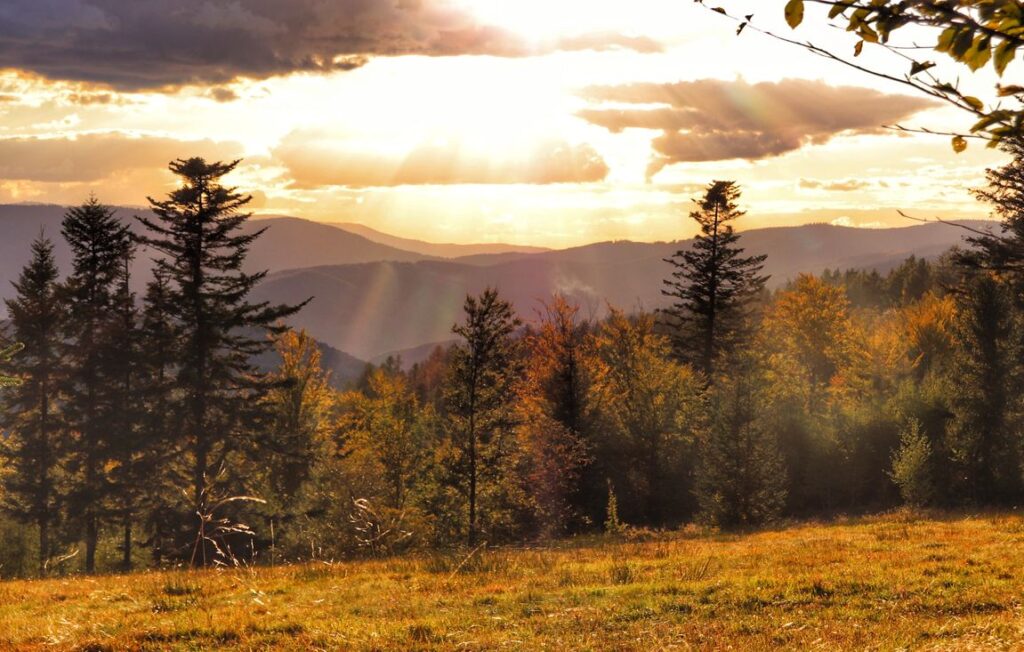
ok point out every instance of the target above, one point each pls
(372, 299)
(441, 250)
(373, 309)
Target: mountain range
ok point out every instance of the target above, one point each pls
(375, 294)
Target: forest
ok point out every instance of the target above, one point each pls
(150, 432)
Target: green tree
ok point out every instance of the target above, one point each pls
(479, 398)
(713, 284)
(982, 436)
(198, 231)
(646, 406)
(742, 480)
(99, 244)
(913, 467)
(31, 416)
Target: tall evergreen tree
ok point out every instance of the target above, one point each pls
(99, 243)
(982, 437)
(478, 399)
(31, 416)
(199, 231)
(128, 471)
(158, 423)
(741, 481)
(1003, 252)
(712, 284)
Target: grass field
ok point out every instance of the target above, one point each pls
(890, 582)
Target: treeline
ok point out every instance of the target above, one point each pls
(142, 429)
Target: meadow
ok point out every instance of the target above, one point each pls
(897, 581)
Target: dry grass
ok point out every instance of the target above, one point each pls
(891, 582)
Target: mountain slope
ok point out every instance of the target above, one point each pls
(289, 243)
(440, 250)
(375, 308)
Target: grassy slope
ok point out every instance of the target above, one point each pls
(886, 582)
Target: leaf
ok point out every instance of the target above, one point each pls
(959, 144)
(836, 10)
(1007, 91)
(974, 103)
(1004, 55)
(719, 10)
(794, 13)
(920, 66)
(739, 30)
(857, 49)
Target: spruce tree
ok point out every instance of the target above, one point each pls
(31, 415)
(158, 423)
(479, 396)
(99, 243)
(198, 231)
(712, 284)
(741, 480)
(982, 437)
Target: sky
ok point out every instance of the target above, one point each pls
(541, 122)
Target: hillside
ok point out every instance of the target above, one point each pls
(373, 309)
(438, 249)
(893, 582)
(289, 242)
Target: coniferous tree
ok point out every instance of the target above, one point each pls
(198, 229)
(1002, 252)
(479, 396)
(99, 243)
(158, 423)
(30, 416)
(713, 284)
(742, 480)
(981, 438)
(128, 468)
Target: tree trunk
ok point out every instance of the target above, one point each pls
(91, 538)
(126, 549)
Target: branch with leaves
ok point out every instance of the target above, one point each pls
(973, 33)
(5, 357)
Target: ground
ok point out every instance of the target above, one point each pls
(891, 582)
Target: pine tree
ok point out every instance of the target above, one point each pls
(1005, 192)
(99, 244)
(31, 416)
(129, 471)
(478, 398)
(741, 481)
(158, 423)
(981, 437)
(198, 231)
(713, 284)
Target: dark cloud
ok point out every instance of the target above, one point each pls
(93, 157)
(154, 44)
(713, 120)
(314, 161)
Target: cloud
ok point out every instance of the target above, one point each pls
(843, 185)
(156, 44)
(716, 120)
(314, 160)
(93, 157)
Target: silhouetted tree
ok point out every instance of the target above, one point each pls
(198, 231)
(713, 284)
(30, 416)
(479, 397)
(99, 243)
(981, 438)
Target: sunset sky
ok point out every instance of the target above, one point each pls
(548, 122)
